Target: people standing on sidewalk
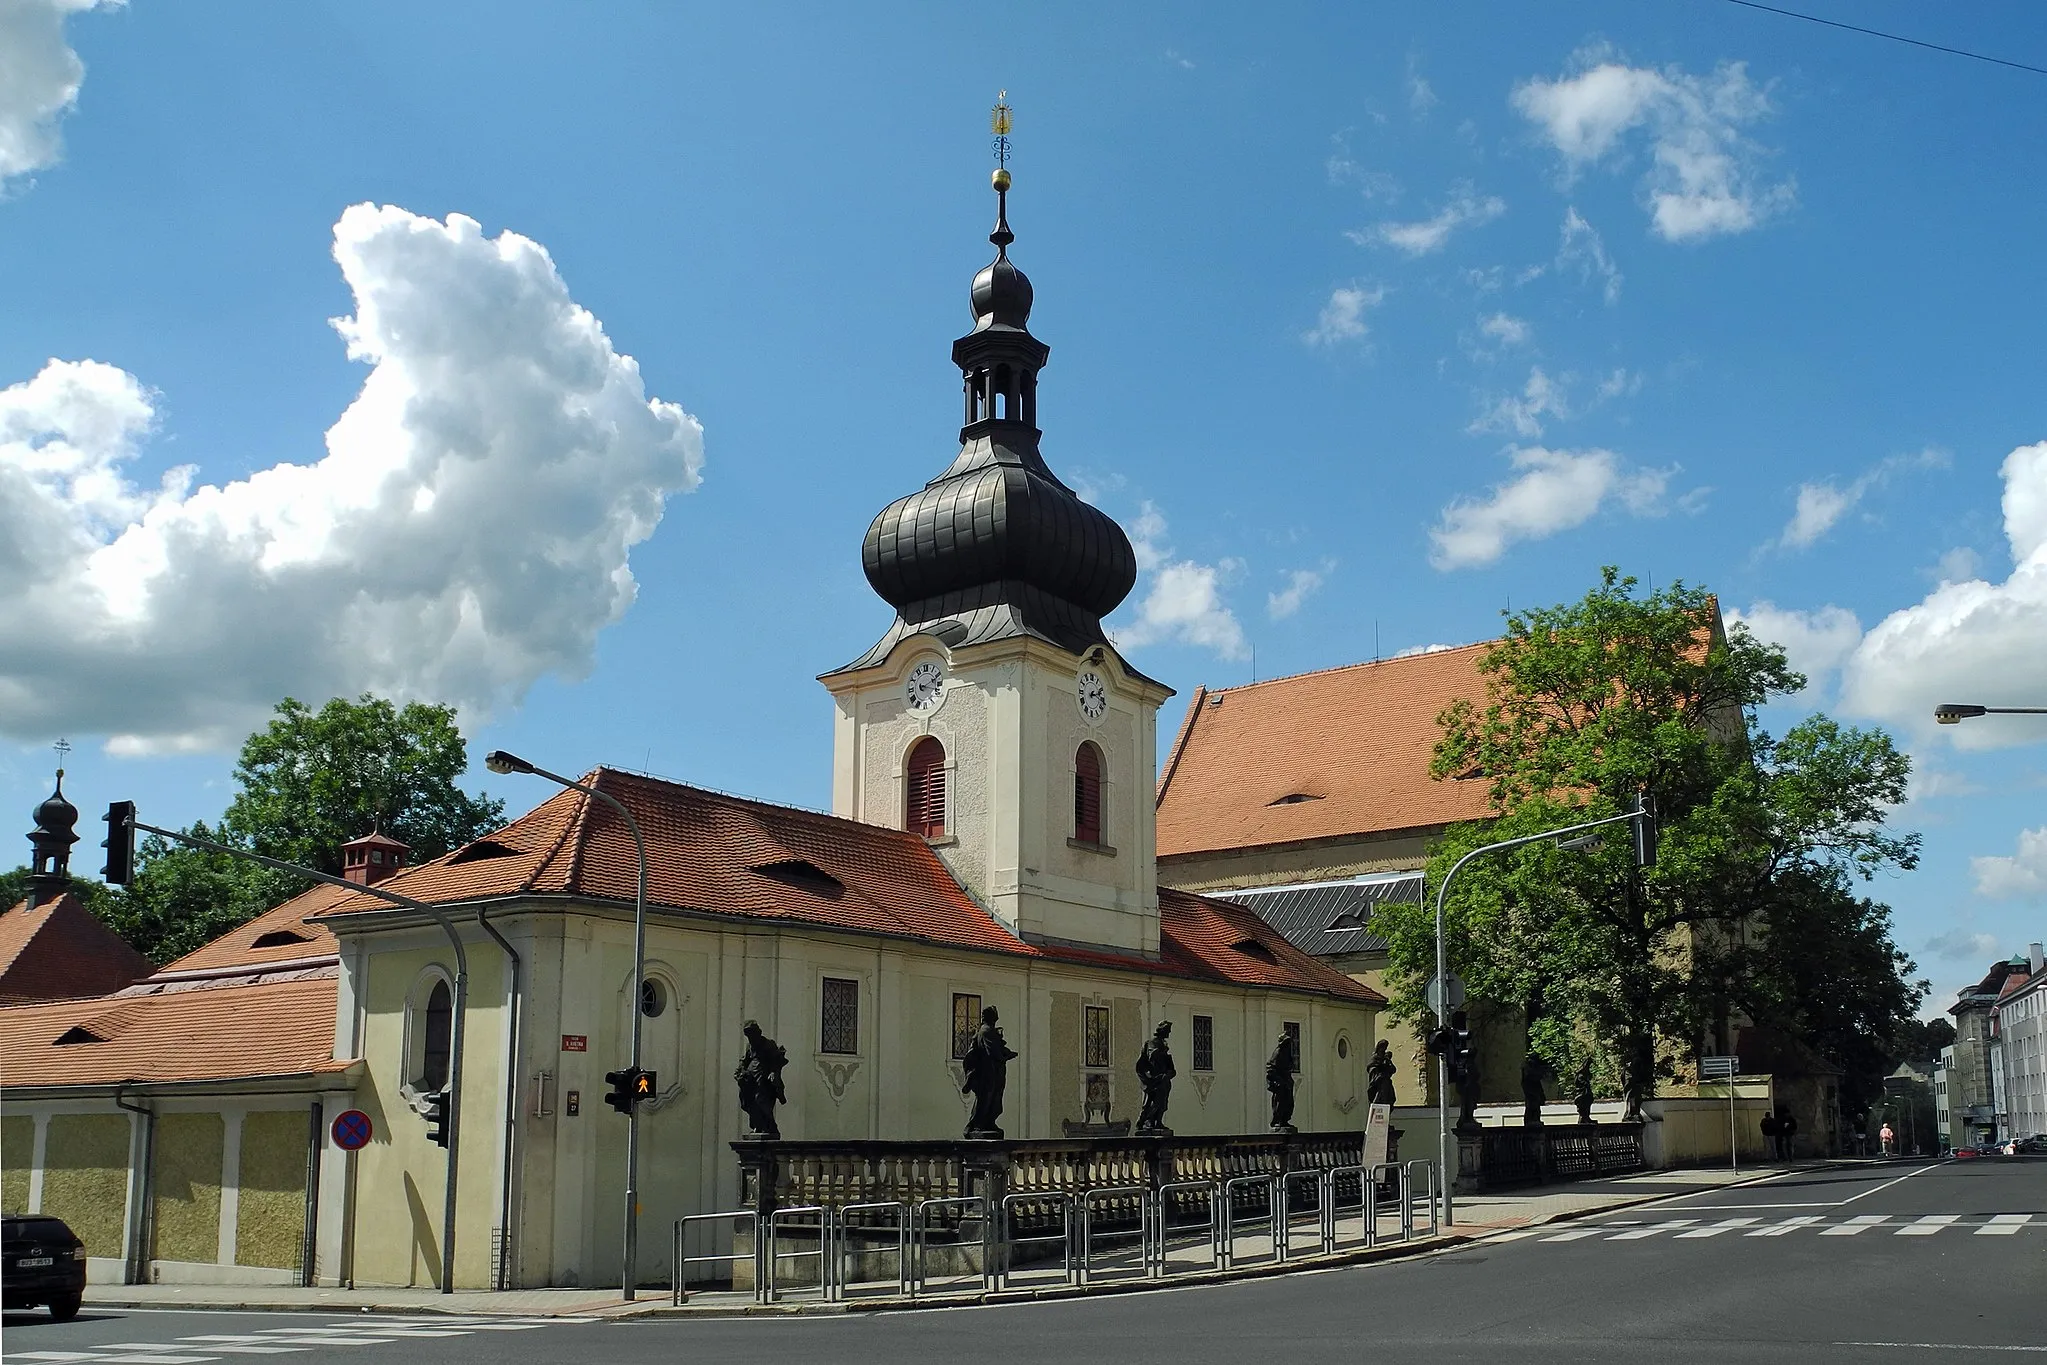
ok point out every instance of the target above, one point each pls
(1888, 1138)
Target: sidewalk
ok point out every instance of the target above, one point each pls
(1477, 1216)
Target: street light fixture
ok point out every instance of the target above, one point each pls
(1954, 712)
(499, 761)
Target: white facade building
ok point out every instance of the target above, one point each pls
(2019, 1027)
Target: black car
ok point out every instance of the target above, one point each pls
(42, 1263)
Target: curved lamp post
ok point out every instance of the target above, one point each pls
(499, 761)
(1954, 712)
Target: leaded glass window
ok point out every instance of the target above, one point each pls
(840, 1026)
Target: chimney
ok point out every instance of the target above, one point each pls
(372, 858)
(2033, 956)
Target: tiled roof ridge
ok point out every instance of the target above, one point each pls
(1194, 705)
(784, 808)
(575, 835)
(1352, 667)
(234, 974)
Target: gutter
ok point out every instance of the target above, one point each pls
(501, 1272)
(345, 1077)
(136, 1256)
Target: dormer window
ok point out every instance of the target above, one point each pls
(924, 789)
(1087, 794)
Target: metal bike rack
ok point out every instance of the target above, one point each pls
(680, 1294)
(920, 1234)
(1283, 1219)
(1087, 1223)
(1064, 1200)
(899, 1221)
(1372, 1181)
(1228, 1216)
(772, 1255)
(1435, 1189)
(1162, 1207)
(1331, 1211)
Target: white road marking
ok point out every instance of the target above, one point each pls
(1576, 1234)
(1861, 1222)
(1640, 1233)
(1724, 1225)
(1804, 1220)
(1933, 1346)
(1927, 1226)
(2004, 1225)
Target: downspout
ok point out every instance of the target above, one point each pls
(503, 1271)
(309, 1241)
(137, 1256)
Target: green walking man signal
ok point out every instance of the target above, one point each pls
(629, 1087)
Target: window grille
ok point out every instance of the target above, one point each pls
(924, 789)
(839, 1029)
(1097, 1036)
(1087, 794)
(966, 1022)
(1204, 1042)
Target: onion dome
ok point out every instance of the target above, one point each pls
(51, 841)
(56, 816)
(997, 545)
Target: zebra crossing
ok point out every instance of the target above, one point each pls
(277, 1341)
(1858, 1225)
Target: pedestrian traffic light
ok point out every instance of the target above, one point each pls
(623, 1088)
(437, 1118)
(120, 844)
(643, 1086)
(1645, 829)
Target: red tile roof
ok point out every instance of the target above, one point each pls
(713, 853)
(60, 951)
(217, 1033)
(288, 933)
(1355, 742)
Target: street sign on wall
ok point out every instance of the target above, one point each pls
(1719, 1068)
(352, 1130)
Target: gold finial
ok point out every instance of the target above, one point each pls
(998, 124)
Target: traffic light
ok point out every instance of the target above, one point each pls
(623, 1088)
(120, 844)
(643, 1085)
(1645, 830)
(437, 1118)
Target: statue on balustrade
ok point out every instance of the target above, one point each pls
(1379, 1073)
(1533, 1073)
(759, 1074)
(1279, 1081)
(1155, 1072)
(1583, 1097)
(1453, 1045)
(987, 1074)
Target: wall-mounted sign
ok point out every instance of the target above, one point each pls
(572, 1103)
(352, 1130)
(575, 1042)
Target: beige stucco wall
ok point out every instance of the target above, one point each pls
(270, 1209)
(85, 1177)
(17, 1154)
(185, 1187)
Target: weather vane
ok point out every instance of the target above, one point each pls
(998, 123)
(63, 748)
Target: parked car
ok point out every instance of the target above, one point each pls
(42, 1264)
(1964, 1153)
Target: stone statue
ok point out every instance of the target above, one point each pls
(987, 1067)
(1533, 1069)
(1155, 1073)
(1453, 1045)
(759, 1074)
(1279, 1081)
(1379, 1073)
(1583, 1096)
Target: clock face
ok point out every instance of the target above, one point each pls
(921, 690)
(1094, 695)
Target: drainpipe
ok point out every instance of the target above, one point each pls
(309, 1241)
(503, 1270)
(137, 1257)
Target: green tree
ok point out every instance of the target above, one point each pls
(182, 897)
(97, 896)
(1587, 705)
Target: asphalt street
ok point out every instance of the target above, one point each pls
(1904, 1262)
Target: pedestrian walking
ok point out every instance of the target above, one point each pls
(1888, 1137)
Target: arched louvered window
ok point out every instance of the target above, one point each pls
(924, 789)
(1087, 794)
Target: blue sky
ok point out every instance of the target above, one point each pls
(1369, 321)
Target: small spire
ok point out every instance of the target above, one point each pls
(998, 124)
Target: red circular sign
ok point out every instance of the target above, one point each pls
(351, 1130)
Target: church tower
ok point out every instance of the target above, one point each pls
(995, 717)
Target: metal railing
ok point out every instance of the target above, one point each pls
(1433, 1178)
(846, 1255)
(1228, 1215)
(1012, 1202)
(772, 1255)
(1379, 1176)
(680, 1262)
(920, 1236)
(1283, 1218)
(1090, 1200)
(1210, 1194)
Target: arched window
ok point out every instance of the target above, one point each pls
(437, 1026)
(924, 789)
(1087, 794)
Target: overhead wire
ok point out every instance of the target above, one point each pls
(1894, 37)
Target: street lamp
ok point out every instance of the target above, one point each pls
(1644, 815)
(499, 761)
(1954, 712)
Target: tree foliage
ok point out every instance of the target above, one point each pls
(1587, 705)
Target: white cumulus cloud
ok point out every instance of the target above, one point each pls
(39, 80)
(466, 532)
(2022, 876)
(1555, 491)
(1816, 642)
(1970, 641)
(1432, 234)
(1702, 180)
(1343, 316)
(1522, 413)
(1182, 600)
(1301, 584)
(1505, 329)
(1821, 506)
